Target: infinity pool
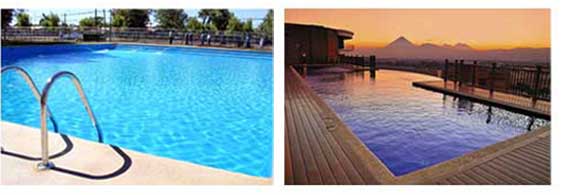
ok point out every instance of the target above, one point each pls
(207, 106)
(410, 128)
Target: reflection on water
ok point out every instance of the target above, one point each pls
(411, 128)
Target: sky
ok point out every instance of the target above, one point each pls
(36, 14)
(479, 28)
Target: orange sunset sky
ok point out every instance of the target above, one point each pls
(479, 28)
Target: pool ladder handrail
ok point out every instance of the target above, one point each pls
(33, 87)
(45, 163)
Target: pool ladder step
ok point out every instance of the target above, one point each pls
(44, 112)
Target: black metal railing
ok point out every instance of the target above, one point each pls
(144, 35)
(523, 80)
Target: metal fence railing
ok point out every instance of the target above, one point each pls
(523, 80)
(532, 81)
(144, 35)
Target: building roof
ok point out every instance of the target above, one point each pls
(344, 34)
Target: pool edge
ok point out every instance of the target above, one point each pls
(166, 170)
(430, 174)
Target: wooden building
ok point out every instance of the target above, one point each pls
(313, 44)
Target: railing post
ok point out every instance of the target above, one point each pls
(445, 69)
(373, 66)
(474, 74)
(536, 83)
(459, 77)
(492, 80)
(456, 71)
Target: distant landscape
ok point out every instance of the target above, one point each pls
(402, 48)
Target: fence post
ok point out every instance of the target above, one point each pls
(445, 69)
(456, 71)
(474, 73)
(492, 79)
(535, 87)
(459, 77)
(373, 66)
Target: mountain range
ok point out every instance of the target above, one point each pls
(402, 48)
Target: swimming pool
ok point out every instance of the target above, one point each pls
(207, 106)
(410, 128)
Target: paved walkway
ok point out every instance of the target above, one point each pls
(95, 159)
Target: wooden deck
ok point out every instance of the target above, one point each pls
(529, 164)
(321, 149)
(524, 159)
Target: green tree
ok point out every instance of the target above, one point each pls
(248, 26)
(50, 20)
(130, 17)
(92, 22)
(171, 18)
(211, 27)
(194, 24)
(266, 26)
(217, 17)
(23, 19)
(206, 15)
(234, 24)
(7, 15)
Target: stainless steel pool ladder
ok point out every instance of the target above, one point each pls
(45, 164)
(33, 87)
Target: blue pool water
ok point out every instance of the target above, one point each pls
(206, 106)
(411, 128)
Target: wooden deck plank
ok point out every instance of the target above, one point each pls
(306, 123)
(523, 165)
(521, 174)
(314, 142)
(494, 171)
(536, 160)
(479, 179)
(311, 168)
(466, 179)
(289, 175)
(509, 173)
(297, 159)
(523, 171)
(347, 166)
(489, 177)
(355, 166)
(333, 156)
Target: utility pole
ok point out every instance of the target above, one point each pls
(95, 19)
(110, 25)
(104, 16)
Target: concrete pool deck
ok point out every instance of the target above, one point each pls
(99, 159)
(321, 149)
